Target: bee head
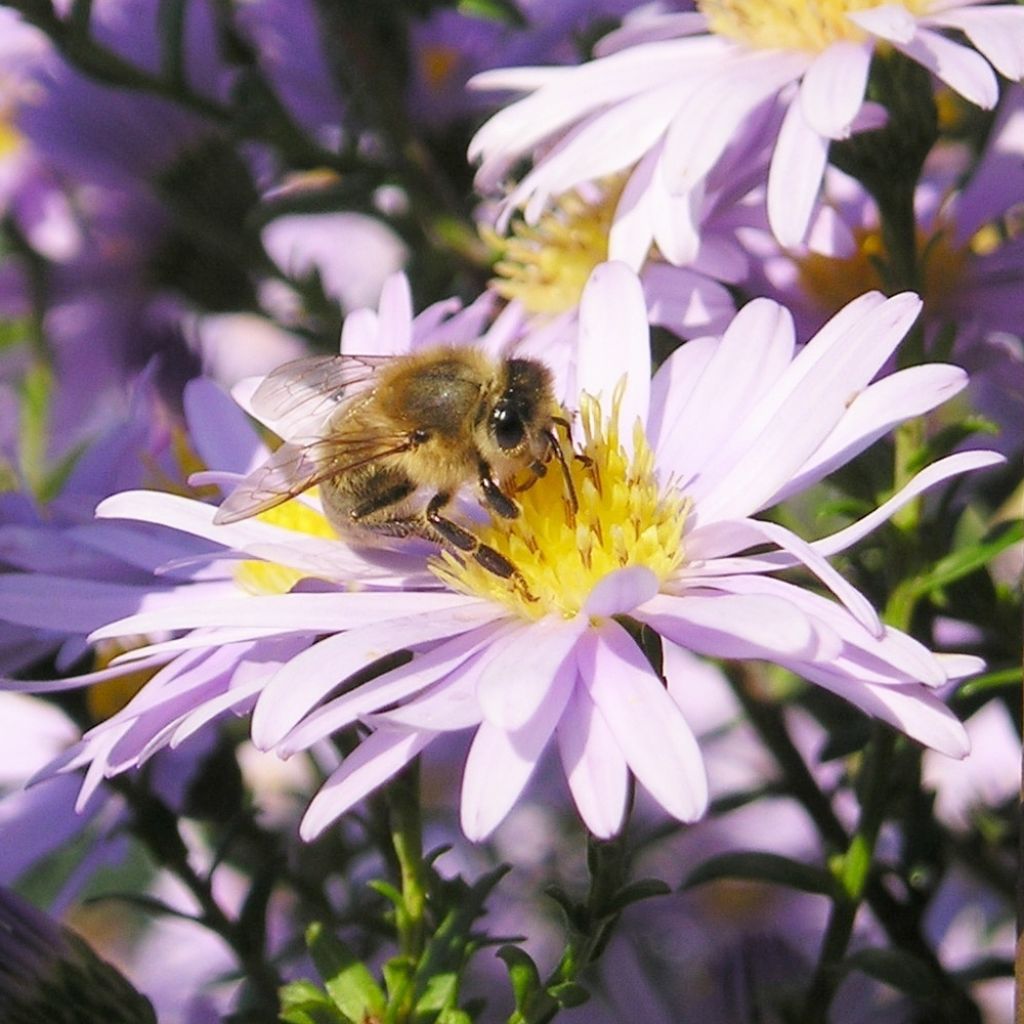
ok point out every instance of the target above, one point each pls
(520, 414)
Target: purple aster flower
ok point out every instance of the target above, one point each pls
(449, 47)
(970, 254)
(545, 266)
(673, 471)
(671, 94)
(103, 571)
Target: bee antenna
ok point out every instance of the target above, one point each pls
(556, 449)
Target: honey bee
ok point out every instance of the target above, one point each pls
(392, 439)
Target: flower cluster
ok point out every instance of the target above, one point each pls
(686, 506)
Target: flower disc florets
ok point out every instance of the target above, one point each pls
(626, 517)
(545, 265)
(790, 24)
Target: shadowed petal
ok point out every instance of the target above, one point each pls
(521, 668)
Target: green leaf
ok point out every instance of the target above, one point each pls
(894, 967)
(953, 567)
(302, 1002)
(575, 913)
(569, 994)
(388, 891)
(504, 11)
(440, 992)
(453, 1015)
(758, 866)
(348, 981)
(644, 889)
(523, 974)
(991, 681)
(398, 976)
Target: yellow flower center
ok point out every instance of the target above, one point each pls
(546, 265)
(811, 25)
(625, 518)
(833, 282)
(438, 64)
(259, 577)
(10, 139)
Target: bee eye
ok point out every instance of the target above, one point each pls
(507, 428)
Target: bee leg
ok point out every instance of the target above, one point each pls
(494, 495)
(463, 540)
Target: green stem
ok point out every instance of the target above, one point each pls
(407, 840)
(591, 926)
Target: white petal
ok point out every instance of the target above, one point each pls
(613, 319)
(500, 763)
(963, 70)
(632, 230)
(998, 32)
(889, 21)
(648, 726)
(378, 758)
(794, 418)
(750, 533)
(620, 592)
(717, 104)
(874, 412)
(833, 87)
(731, 626)
(674, 383)
(594, 765)
(439, 665)
(952, 465)
(794, 177)
(911, 709)
(753, 352)
(301, 684)
(313, 613)
(522, 668)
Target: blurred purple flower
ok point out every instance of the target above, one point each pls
(970, 251)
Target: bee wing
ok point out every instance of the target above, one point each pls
(295, 468)
(312, 387)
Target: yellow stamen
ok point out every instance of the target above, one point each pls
(259, 577)
(545, 266)
(811, 25)
(625, 518)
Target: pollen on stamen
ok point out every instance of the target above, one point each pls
(808, 25)
(626, 517)
(546, 265)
